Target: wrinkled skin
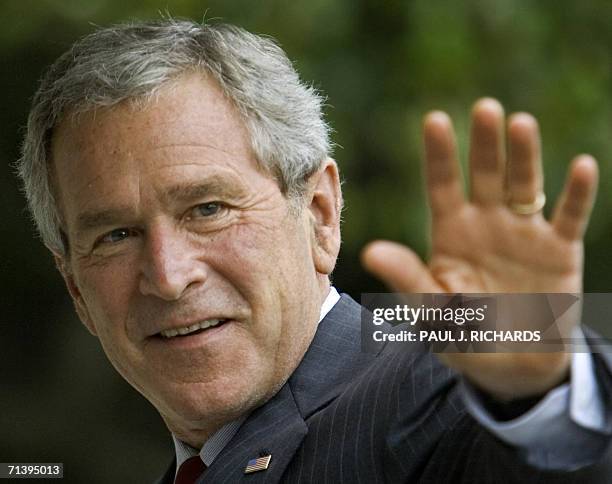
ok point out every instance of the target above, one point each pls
(171, 222)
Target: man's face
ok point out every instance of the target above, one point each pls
(173, 228)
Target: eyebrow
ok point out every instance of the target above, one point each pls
(99, 218)
(215, 186)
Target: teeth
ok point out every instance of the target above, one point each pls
(171, 333)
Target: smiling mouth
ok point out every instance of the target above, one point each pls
(191, 330)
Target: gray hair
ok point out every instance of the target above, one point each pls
(131, 61)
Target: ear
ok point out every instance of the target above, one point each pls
(325, 208)
(63, 265)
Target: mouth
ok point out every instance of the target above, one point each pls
(191, 330)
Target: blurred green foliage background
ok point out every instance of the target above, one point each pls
(382, 64)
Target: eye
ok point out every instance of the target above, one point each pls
(209, 216)
(115, 236)
(207, 209)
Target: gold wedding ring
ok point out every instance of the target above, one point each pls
(529, 208)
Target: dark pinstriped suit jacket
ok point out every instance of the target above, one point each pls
(349, 417)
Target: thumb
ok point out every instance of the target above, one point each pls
(398, 267)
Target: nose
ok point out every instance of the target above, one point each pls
(170, 264)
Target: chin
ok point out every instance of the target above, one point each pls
(219, 402)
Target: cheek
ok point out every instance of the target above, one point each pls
(270, 253)
(106, 293)
(270, 267)
(108, 297)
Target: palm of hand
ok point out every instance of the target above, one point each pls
(491, 250)
(495, 242)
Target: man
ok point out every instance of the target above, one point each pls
(180, 175)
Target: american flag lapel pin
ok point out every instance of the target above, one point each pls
(258, 464)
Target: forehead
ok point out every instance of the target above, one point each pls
(191, 109)
(189, 127)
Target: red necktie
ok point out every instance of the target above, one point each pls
(190, 470)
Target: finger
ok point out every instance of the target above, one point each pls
(398, 267)
(524, 182)
(572, 211)
(443, 173)
(487, 153)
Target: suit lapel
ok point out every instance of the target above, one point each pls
(333, 358)
(275, 429)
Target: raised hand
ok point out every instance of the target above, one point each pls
(497, 241)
